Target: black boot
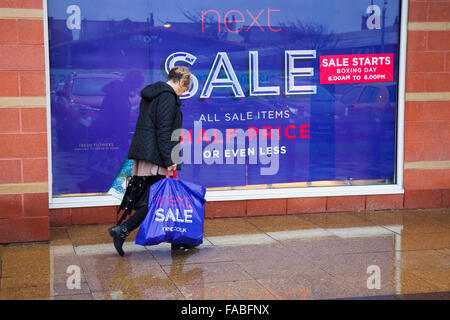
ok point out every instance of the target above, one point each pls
(119, 233)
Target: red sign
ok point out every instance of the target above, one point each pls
(355, 68)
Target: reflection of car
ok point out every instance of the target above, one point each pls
(79, 100)
(321, 103)
(374, 98)
(321, 108)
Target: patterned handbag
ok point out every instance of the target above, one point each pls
(121, 180)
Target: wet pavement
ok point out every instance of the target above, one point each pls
(371, 255)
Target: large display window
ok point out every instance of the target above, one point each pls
(289, 99)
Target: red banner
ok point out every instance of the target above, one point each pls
(356, 68)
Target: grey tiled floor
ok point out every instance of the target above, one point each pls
(314, 256)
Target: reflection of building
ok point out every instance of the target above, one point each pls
(368, 41)
(116, 43)
(91, 29)
(110, 37)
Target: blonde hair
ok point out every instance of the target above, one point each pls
(180, 74)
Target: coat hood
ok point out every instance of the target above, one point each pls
(153, 90)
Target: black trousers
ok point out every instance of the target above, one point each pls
(141, 203)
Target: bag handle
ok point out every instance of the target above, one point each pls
(175, 174)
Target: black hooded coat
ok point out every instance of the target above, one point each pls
(159, 116)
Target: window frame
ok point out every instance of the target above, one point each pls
(252, 194)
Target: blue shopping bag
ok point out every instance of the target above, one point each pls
(175, 213)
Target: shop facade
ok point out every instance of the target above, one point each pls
(346, 111)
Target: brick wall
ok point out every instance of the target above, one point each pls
(23, 124)
(24, 214)
(427, 109)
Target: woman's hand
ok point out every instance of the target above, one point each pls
(172, 167)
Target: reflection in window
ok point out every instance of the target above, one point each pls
(351, 95)
(369, 94)
(322, 95)
(392, 93)
(89, 87)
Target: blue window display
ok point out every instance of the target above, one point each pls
(256, 67)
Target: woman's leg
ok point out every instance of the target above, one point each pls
(136, 218)
(141, 210)
(120, 232)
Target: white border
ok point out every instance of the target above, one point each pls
(402, 92)
(230, 195)
(48, 101)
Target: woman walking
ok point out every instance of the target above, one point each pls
(151, 148)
